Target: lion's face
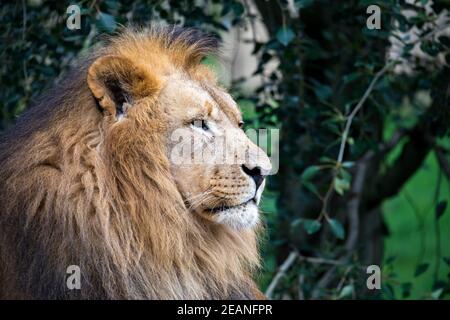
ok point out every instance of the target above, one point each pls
(218, 170)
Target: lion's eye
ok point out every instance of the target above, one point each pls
(241, 124)
(200, 124)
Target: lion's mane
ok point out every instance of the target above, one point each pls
(76, 192)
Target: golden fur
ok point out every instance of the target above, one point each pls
(77, 188)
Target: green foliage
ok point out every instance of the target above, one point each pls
(337, 228)
(440, 208)
(285, 35)
(310, 226)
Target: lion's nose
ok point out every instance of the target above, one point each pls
(255, 174)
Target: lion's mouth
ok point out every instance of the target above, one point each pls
(222, 208)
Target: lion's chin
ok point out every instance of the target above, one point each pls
(241, 217)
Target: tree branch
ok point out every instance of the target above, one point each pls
(433, 123)
(353, 218)
(358, 107)
(281, 272)
(409, 161)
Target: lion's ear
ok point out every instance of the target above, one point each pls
(116, 80)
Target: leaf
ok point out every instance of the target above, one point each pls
(430, 48)
(341, 185)
(248, 108)
(408, 47)
(112, 5)
(346, 291)
(440, 208)
(388, 291)
(311, 226)
(421, 268)
(406, 289)
(351, 77)
(322, 91)
(273, 103)
(238, 9)
(309, 172)
(350, 141)
(437, 293)
(300, 4)
(327, 160)
(311, 187)
(347, 164)
(106, 22)
(296, 222)
(345, 175)
(337, 228)
(285, 35)
(447, 260)
(390, 259)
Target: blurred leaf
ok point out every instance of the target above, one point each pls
(112, 4)
(273, 103)
(311, 187)
(351, 141)
(238, 9)
(437, 293)
(421, 268)
(348, 164)
(341, 185)
(391, 259)
(296, 222)
(337, 228)
(346, 291)
(300, 4)
(324, 159)
(348, 78)
(311, 226)
(248, 109)
(285, 35)
(309, 172)
(345, 175)
(388, 291)
(406, 289)
(440, 208)
(106, 22)
(447, 260)
(323, 92)
(430, 47)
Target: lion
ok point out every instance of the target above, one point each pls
(87, 180)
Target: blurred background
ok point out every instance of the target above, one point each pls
(361, 98)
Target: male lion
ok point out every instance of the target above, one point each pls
(87, 179)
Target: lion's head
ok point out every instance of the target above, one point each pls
(140, 77)
(103, 172)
